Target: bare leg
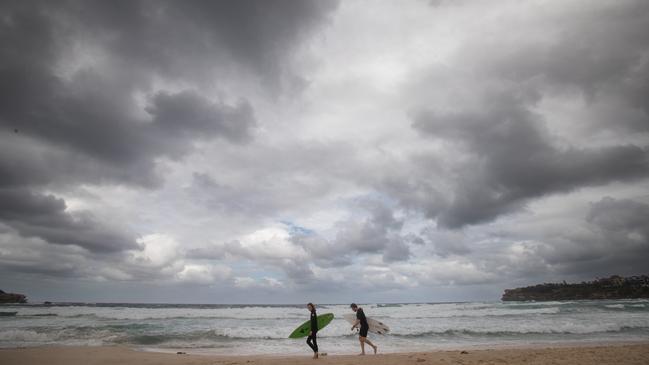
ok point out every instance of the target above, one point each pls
(371, 344)
(362, 340)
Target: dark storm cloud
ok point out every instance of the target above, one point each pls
(95, 127)
(623, 244)
(91, 112)
(186, 38)
(513, 159)
(601, 53)
(611, 237)
(620, 215)
(188, 116)
(505, 155)
(623, 223)
(258, 33)
(617, 241)
(109, 147)
(45, 217)
(66, 121)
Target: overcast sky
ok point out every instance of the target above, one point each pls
(294, 151)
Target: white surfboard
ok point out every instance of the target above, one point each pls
(375, 326)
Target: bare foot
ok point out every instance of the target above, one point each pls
(361, 354)
(375, 347)
(315, 355)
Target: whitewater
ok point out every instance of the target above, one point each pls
(263, 329)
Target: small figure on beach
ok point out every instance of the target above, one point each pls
(361, 321)
(312, 340)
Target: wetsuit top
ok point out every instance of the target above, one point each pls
(314, 322)
(360, 315)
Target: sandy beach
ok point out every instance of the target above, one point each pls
(602, 354)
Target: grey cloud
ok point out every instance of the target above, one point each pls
(28, 162)
(396, 250)
(100, 92)
(94, 125)
(259, 33)
(78, 97)
(323, 252)
(621, 225)
(414, 239)
(36, 258)
(186, 39)
(379, 233)
(203, 180)
(600, 53)
(188, 114)
(513, 159)
(610, 238)
(446, 243)
(92, 110)
(205, 253)
(620, 216)
(29, 256)
(114, 150)
(299, 272)
(272, 179)
(492, 129)
(297, 269)
(45, 216)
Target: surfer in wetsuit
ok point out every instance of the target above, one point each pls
(311, 340)
(361, 321)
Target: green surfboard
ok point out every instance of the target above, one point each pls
(305, 328)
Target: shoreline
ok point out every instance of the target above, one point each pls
(450, 348)
(610, 353)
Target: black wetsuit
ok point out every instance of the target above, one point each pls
(364, 326)
(311, 340)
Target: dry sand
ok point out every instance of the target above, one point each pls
(609, 354)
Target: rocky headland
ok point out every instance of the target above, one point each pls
(614, 287)
(12, 298)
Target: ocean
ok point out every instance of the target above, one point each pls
(263, 329)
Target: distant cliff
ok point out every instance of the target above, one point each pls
(615, 287)
(12, 298)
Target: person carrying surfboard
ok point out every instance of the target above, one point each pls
(312, 340)
(361, 321)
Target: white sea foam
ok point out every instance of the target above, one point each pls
(615, 306)
(265, 328)
(23, 335)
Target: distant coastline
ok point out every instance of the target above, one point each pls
(10, 298)
(614, 287)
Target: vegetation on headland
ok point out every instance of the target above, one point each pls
(12, 298)
(614, 287)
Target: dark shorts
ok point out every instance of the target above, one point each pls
(363, 331)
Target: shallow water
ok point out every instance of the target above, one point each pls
(264, 328)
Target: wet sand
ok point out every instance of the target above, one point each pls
(601, 354)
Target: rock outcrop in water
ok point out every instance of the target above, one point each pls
(12, 298)
(615, 287)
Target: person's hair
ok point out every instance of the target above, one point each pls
(353, 305)
(311, 305)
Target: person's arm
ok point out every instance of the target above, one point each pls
(358, 321)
